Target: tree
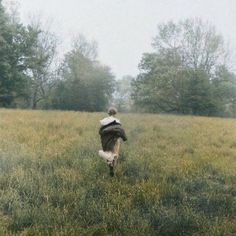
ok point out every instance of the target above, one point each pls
(162, 86)
(12, 61)
(178, 76)
(40, 64)
(195, 42)
(86, 84)
(224, 91)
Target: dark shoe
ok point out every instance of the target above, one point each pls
(111, 171)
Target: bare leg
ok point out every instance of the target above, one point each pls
(115, 156)
(116, 151)
(117, 148)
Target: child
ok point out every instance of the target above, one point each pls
(110, 132)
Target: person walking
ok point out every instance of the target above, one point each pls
(110, 133)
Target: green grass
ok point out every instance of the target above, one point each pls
(176, 176)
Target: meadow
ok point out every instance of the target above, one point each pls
(176, 175)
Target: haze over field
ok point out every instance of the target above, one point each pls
(124, 28)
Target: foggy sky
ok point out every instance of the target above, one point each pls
(124, 28)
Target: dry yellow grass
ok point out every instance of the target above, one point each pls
(176, 175)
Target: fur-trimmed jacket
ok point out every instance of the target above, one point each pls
(110, 133)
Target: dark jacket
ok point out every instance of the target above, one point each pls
(109, 135)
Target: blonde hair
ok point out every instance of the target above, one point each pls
(112, 111)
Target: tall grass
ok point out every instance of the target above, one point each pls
(176, 175)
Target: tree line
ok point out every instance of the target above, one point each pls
(188, 72)
(30, 76)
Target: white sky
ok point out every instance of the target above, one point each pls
(124, 28)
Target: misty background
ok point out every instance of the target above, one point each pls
(124, 29)
(87, 55)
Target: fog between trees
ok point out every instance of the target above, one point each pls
(187, 73)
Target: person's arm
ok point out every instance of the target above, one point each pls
(123, 135)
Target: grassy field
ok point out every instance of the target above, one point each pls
(176, 176)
